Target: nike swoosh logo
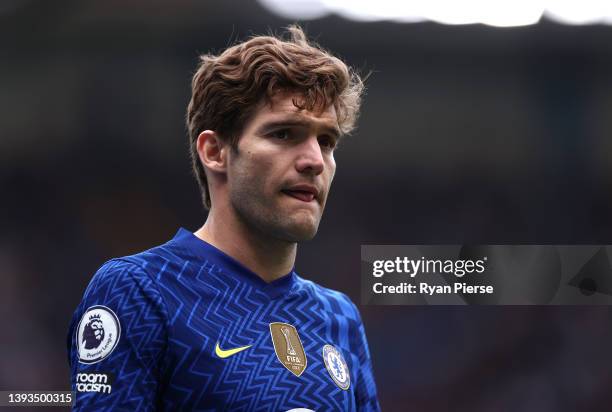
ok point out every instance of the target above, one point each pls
(227, 353)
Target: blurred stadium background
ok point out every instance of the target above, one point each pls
(469, 134)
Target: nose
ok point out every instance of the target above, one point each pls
(310, 159)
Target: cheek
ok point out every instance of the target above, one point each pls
(331, 169)
(266, 171)
(254, 173)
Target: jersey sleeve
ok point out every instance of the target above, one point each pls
(117, 341)
(365, 388)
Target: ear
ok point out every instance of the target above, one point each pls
(212, 151)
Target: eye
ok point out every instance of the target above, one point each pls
(282, 134)
(327, 141)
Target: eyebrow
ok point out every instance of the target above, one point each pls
(276, 124)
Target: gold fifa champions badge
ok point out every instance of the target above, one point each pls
(288, 347)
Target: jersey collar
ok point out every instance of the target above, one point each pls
(231, 266)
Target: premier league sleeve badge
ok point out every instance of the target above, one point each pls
(336, 366)
(97, 334)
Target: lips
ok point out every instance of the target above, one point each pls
(305, 193)
(303, 196)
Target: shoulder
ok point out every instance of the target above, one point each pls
(125, 282)
(121, 293)
(333, 300)
(116, 274)
(140, 269)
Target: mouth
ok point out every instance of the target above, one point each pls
(305, 193)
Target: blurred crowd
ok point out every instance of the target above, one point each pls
(468, 135)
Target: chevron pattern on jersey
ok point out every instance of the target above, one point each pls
(177, 301)
(136, 360)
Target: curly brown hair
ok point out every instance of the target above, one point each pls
(226, 89)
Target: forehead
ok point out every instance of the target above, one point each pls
(281, 106)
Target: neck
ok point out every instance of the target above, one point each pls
(267, 257)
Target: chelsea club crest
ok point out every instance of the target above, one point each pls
(336, 366)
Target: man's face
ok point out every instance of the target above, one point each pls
(279, 177)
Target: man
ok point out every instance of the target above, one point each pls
(218, 319)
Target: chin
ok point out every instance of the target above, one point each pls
(304, 236)
(301, 231)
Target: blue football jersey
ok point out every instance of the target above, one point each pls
(183, 326)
